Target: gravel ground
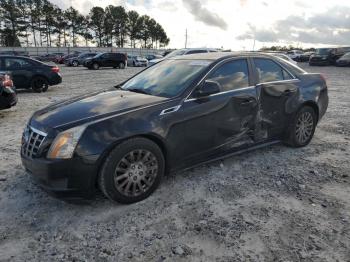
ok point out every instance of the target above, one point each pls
(273, 204)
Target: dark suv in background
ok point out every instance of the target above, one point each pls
(322, 56)
(328, 56)
(115, 60)
(29, 73)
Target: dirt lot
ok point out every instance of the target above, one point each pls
(273, 204)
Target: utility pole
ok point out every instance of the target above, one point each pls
(186, 39)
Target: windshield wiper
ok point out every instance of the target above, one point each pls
(138, 90)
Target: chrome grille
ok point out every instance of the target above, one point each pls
(31, 141)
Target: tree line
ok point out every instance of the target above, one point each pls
(285, 48)
(41, 23)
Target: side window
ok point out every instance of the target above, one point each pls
(16, 63)
(231, 75)
(269, 71)
(196, 52)
(286, 75)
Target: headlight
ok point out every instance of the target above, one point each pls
(64, 144)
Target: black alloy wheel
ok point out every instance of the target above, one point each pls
(132, 171)
(39, 84)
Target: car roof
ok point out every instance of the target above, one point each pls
(14, 56)
(221, 55)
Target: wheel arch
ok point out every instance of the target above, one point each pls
(150, 136)
(313, 105)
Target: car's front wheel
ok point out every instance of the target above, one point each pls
(96, 66)
(121, 65)
(302, 127)
(132, 171)
(75, 63)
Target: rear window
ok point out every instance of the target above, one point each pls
(270, 71)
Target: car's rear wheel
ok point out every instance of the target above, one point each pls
(132, 171)
(121, 65)
(95, 66)
(75, 63)
(302, 127)
(39, 84)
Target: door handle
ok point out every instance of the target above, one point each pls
(288, 92)
(246, 102)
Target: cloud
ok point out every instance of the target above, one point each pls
(202, 14)
(331, 27)
(167, 6)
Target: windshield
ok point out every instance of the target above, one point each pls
(323, 51)
(167, 78)
(347, 55)
(175, 53)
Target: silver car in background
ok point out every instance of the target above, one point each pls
(137, 61)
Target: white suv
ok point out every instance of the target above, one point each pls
(295, 54)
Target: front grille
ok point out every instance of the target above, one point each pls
(31, 141)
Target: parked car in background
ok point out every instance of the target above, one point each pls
(153, 56)
(48, 57)
(322, 56)
(115, 60)
(8, 97)
(185, 51)
(184, 111)
(72, 60)
(165, 53)
(338, 53)
(295, 54)
(62, 59)
(82, 57)
(137, 61)
(344, 60)
(15, 53)
(305, 57)
(29, 73)
(284, 57)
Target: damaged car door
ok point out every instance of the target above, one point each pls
(223, 121)
(275, 87)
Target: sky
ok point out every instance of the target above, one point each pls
(238, 24)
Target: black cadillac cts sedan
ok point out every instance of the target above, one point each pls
(174, 115)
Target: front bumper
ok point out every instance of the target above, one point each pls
(64, 178)
(55, 79)
(319, 62)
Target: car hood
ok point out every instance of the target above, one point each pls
(92, 107)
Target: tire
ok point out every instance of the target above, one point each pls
(75, 63)
(132, 171)
(302, 128)
(95, 66)
(39, 84)
(121, 65)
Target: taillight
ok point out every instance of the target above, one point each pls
(7, 82)
(55, 69)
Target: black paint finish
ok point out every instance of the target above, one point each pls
(189, 130)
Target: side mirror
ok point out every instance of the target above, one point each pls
(208, 88)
